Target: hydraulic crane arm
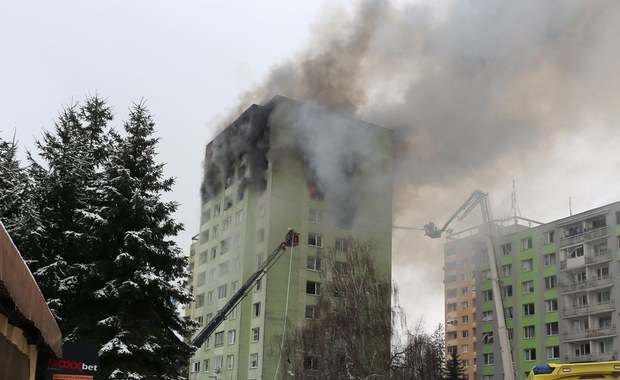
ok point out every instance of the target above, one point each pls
(434, 232)
(291, 240)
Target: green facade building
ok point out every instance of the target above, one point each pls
(278, 166)
(559, 284)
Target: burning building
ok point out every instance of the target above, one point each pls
(277, 166)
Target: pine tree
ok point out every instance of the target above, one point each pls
(454, 369)
(136, 283)
(14, 185)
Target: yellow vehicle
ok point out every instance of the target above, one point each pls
(576, 371)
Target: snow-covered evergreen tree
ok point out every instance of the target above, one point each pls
(13, 189)
(136, 283)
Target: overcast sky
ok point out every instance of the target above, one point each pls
(480, 95)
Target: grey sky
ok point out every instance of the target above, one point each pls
(480, 95)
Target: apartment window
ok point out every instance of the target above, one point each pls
(450, 293)
(256, 309)
(208, 343)
(215, 231)
(225, 246)
(209, 317)
(451, 306)
(464, 290)
(487, 295)
(526, 243)
(315, 240)
(313, 288)
(508, 312)
(606, 347)
(527, 287)
(551, 282)
(213, 253)
(219, 362)
(204, 237)
(254, 360)
(464, 348)
(487, 337)
(226, 223)
(552, 328)
(201, 278)
(549, 259)
(255, 334)
(604, 322)
(487, 359)
(582, 349)
(507, 270)
(315, 193)
(239, 217)
(464, 305)
(506, 249)
(507, 291)
(451, 335)
(210, 297)
(465, 363)
(206, 215)
(315, 216)
(527, 265)
(216, 210)
(528, 309)
(553, 352)
(200, 300)
(230, 361)
(602, 273)
(228, 201)
(199, 319)
(259, 260)
(232, 335)
(529, 332)
(580, 300)
(202, 259)
(260, 235)
(340, 244)
(311, 363)
(487, 316)
(551, 305)
(313, 263)
(312, 312)
(219, 339)
(575, 252)
(233, 313)
(530, 354)
(195, 366)
(262, 211)
(205, 365)
(259, 284)
(603, 297)
(549, 237)
(464, 333)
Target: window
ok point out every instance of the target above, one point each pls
(200, 300)
(487, 337)
(262, 211)
(232, 335)
(450, 293)
(313, 263)
(195, 366)
(205, 365)
(527, 287)
(230, 361)
(312, 312)
(204, 237)
(582, 349)
(208, 343)
(210, 297)
(226, 223)
(259, 284)
(228, 201)
(526, 243)
(340, 244)
(487, 316)
(552, 328)
(239, 217)
(528, 309)
(506, 249)
(580, 277)
(256, 309)
(551, 305)
(219, 339)
(202, 258)
(213, 253)
(507, 270)
(551, 282)
(199, 319)
(315, 216)
(527, 265)
(508, 312)
(464, 305)
(507, 291)
(311, 363)
(451, 306)
(529, 332)
(233, 313)
(313, 288)
(530, 354)
(575, 252)
(206, 215)
(464, 290)
(259, 260)
(549, 260)
(580, 301)
(606, 347)
(215, 231)
(315, 240)
(548, 237)
(603, 297)
(604, 322)
(464, 334)
(487, 295)
(553, 352)
(487, 359)
(315, 193)
(219, 362)
(254, 360)
(602, 273)
(465, 363)
(216, 210)
(464, 348)
(201, 278)
(225, 246)
(255, 334)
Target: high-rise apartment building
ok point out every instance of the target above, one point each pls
(559, 284)
(279, 166)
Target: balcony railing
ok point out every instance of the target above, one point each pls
(587, 260)
(584, 236)
(590, 334)
(596, 357)
(589, 284)
(588, 309)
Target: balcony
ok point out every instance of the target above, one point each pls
(590, 334)
(586, 260)
(595, 357)
(588, 234)
(589, 284)
(588, 309)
